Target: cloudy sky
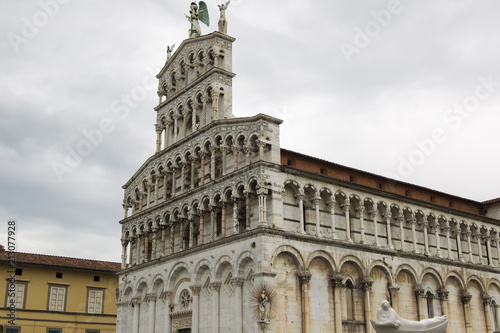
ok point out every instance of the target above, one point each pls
(405, 89)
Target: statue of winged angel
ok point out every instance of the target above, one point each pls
(197, 13)
(222, 20)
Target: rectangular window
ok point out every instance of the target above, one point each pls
(12, 330)
(57, 298)
(54, 330)
(92, 331)
(95, 298)
(18, 295)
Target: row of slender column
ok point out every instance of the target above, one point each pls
(141, 239)
(400, 219)
(192, 165)
(304, 279)
(337, 285)
(151, 300)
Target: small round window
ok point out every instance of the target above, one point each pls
(184, 299)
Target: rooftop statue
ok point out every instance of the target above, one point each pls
(222, 20)
(197, 13)
(170, 49)
(388, 321)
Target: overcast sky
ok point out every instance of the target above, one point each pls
(405, 89)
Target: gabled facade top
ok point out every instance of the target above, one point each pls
(195, 87)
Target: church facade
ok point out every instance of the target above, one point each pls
(225, 231)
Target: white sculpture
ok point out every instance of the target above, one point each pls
(388, 321)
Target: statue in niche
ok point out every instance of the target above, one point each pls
(264, 306)
(222, 20)
(197, 13)
(388, 321)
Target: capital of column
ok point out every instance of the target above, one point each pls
(215, 94)
(420, 292)
(124, 241)
(387, 216)
(260, 143)
(150, 298)
(262, 191)
(394, 287)
(487, 299)
(465, 297)
(345, 206)
(195, 290)
(203, 154)
(316, 200)
(159, 128)
(238, 281)
(304, 277)
(361, 209)
(336, 280)
(443, 294)
(135, 301)
(215, 285)
(366, 285)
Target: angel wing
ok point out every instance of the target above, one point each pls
(172, 48)
(227, 4)
(203, 13)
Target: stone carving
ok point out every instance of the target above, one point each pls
(170, 49)
(264, 306)
(222, 20)
(262, 299)
(388, 321)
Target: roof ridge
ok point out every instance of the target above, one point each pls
(58, 256)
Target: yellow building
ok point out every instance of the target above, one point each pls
(51, 294)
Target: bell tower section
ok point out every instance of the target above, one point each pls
(195, 88)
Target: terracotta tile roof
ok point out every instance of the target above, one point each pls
(65, 262)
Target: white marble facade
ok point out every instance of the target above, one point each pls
(215, 215)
